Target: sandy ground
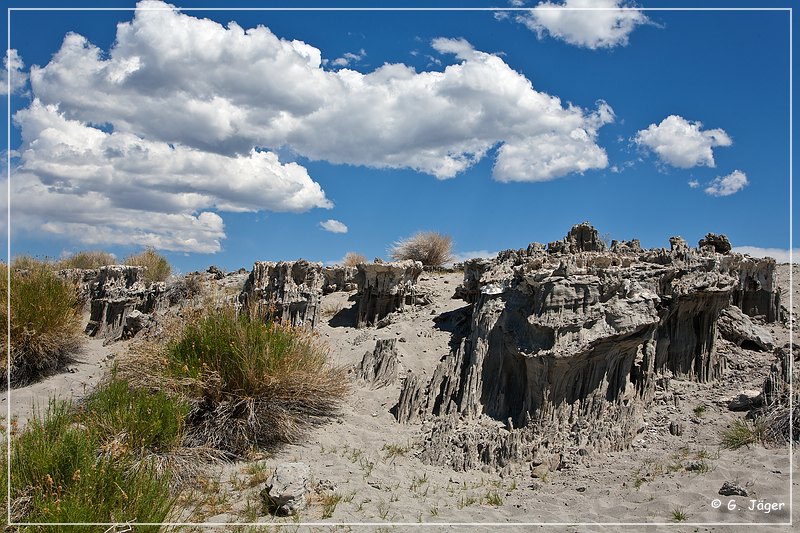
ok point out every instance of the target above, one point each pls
(369, 459)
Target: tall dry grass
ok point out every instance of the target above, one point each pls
(429, 247)
(352, 259)
(158, 268)
(46, 324)
(92, 259)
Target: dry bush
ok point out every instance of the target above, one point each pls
(28, 262)
(429, 247)
(352, 259)
(45, 323)
(93, 259)
(250, 383)
(158, 268)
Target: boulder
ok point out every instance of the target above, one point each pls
(730, 488)
(285, 492)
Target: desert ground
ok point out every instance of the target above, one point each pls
(364, 468)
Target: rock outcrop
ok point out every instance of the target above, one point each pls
(81, 278)
(737, 327)
(289, 291)
(717, 243)
(564, 349)
(117, 291)
(285, 492)
(384, 288)
(339, 278)
(379, 367)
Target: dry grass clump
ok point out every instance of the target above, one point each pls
(429, 247)
(92, 259)
(250, 383)
(45, 323)
(352, 259)
(28, 262)
(158, 268)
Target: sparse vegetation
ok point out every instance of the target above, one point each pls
(60, 472)
(743, 433)
(86, 260)
(329, 503)
(679, 515)
(158, 268)
(493, 498)
(45, 323)
(429, 247)
(251, 383)
(699, 410)
(352, 259)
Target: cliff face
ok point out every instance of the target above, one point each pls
(566, 347)
(384, 288)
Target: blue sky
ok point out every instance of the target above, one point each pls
(220, 144)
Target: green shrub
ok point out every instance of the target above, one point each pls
(135, 420)
(45, 323)
(158, 268)
(429, 247)
(87, 260)
(61, 473)
(742, 433)
(253, 383)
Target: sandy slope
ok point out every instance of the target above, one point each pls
(369, 458)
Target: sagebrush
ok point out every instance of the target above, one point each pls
(429, 247)
(352, 259)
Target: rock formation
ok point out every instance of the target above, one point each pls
(339, 278)
(384, 288)
(737, 328)
(285, 492)
(114, 294)
(717, 243)
(564, 348)
(289, 291)
(379, 367)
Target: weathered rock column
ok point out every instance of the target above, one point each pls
(384, 288)
(118, 290)
(290, 291)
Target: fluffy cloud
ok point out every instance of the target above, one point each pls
(180, 79)
(146, 143)
(13, 65)
(349, 57)
(334, 226)
(727, 185)
(781, 255)
(592, 29)
(681, 143)
(460, 257)
(117, 188)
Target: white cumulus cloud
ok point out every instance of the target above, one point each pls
(781, 255)
(180, 79)
(460, 257)
(80, 181)
(13, 66)
(601, 28)
(682, 143)
(727, 185)
(334, 226)
(180, 121)
(348, 58)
